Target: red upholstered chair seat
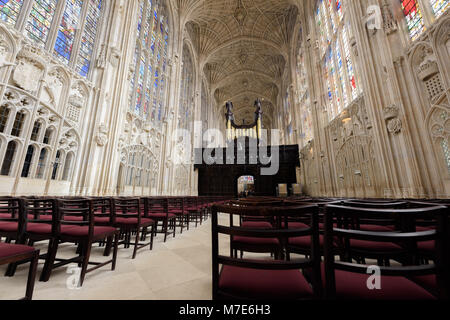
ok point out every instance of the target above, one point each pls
(134, 221)
(295, 225)
(82, 231)
(428, 282)
(257, 225)
(9, 226)
(48, 217)
(427, 246)
(176, 211)
(39, 228)
(161, 215)
(354, 286)
(73, 218)
(305, 242)
(264, 284)
(102, 220)
(11, 250)
(255, 241)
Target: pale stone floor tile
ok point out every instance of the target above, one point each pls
(177, 269)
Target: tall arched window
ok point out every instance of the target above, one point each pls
(67, 167)
(18, 124)
(67, 28)
(149, 82)
(36, 130)
(27, 164)
(56, 165)
(334, 33)
(9, 158)
(186, 109)
(42, 164)
(4, 115)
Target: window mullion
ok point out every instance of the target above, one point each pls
(427, 13)
(79, 34)
(24, 14)
(54, 28)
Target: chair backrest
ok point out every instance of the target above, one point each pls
(127, 208)
(175, 203)
(104, 208)
(376, 205)
(74, 212)
(339, 236)
(12, 210)
(155, 205)
(279, 214)
(42, 211)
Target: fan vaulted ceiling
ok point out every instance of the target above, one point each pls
(243, 47)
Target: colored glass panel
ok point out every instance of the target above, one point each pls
(70, 23)
(89, 36)
(9, 10)
(414, 19)
(439, 7)
(40, 20)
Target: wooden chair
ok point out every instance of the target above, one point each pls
(13, 253)
(348, 280)
(264, 279)
(12, 220)
(157, 209)
(74, 223)
(129, 219)
(176, 207)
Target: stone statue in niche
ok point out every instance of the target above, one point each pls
(54, 85)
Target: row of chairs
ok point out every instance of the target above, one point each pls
(332, 248)
(109, 221)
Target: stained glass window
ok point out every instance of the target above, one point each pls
(148, 86)
(439, 7)
(67, 30)
(91, 26)
(40, 20)
(340, 80)
(414, 19)
(9, 10)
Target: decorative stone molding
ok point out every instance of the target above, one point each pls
(102, 135)
(393, 122)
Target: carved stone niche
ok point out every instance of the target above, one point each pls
(29, 70)
(428, 71)
(393, 122)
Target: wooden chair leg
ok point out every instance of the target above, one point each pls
(50, 260)
(108, 247)
(32, 276)
(174, 222)
(152, 234)
(86, 255)
(116, 245)
(136, 243)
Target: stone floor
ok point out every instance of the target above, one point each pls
(179, 269)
